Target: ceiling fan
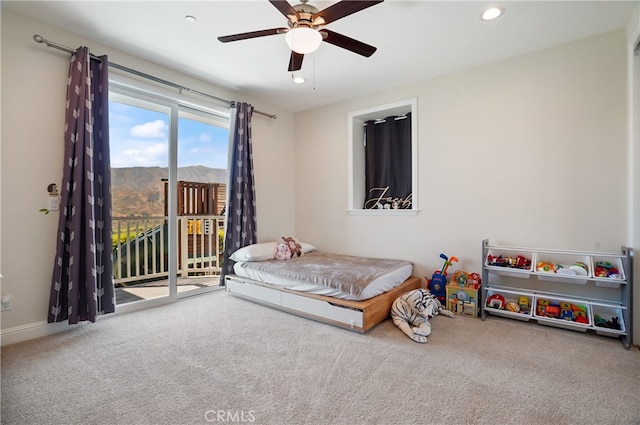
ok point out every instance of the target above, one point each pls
(304, 34)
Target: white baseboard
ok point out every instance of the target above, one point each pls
(32, 330)
(39, 329)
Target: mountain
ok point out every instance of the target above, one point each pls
(139, 191)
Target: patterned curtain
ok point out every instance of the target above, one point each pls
(82, 282)
(241, 205)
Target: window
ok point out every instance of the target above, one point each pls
(383, 180)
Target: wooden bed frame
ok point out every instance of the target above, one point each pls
(355, 315)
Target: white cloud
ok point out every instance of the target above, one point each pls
(142, 156)
(204, 137)
(158, 149)
(153, 129)
(131, 152)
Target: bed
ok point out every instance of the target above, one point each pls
(351, 292)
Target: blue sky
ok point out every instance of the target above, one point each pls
(140, 138)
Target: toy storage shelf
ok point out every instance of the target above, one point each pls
(581, 291)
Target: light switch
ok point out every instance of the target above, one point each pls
(53, 202)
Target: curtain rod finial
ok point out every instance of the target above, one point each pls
(38, 38)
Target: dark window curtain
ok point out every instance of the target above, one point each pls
(388, 163)
(241, 206)
(82, 282)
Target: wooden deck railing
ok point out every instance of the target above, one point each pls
(195, 198)
(141, 250)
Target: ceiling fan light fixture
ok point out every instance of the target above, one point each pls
(303, 40)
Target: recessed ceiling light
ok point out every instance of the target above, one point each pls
(492, 13)
(298, 80)
(190, 19)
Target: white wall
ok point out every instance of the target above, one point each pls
(530, 152)
(33, 98)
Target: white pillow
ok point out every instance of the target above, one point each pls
(263, 251)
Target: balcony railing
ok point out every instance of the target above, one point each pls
(141, 248)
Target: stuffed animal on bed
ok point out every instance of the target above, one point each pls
(411, 312)
(281, 251)
(294, 247)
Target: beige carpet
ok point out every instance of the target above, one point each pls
(219, 359)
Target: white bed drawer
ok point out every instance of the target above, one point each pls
(323, 309)
(256, 292)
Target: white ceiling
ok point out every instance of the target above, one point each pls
(416, 40)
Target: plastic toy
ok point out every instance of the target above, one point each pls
(438, 280)
(522, 262)
(460, 278)
(580, 268)
(463, 292)
(466, 280)
(552, 311)
(437, 285)
(512, 306)
(562, 310)
(580, 316)
(519, 262)
(579, 309)
(567, 315)
(541, 307)
(447, 263)
(473, 279)
(496, 301)
(582, 319)
(606, 269)
(603, 323)
(545, 266)
(523, 303)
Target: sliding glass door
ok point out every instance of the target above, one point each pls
(169, 176)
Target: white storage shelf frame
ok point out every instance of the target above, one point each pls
(604, 298)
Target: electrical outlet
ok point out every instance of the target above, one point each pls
(5, 303)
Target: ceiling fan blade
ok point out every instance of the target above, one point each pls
(347, 43)
(295, 61)
(344, 8)
(284, 7)
(252, 34)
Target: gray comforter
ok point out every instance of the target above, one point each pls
(348, 274)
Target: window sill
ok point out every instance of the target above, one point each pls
(377, 213)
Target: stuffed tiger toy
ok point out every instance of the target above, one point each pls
(411, 313)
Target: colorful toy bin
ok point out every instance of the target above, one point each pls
(463, 294)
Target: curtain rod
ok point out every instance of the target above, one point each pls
(39, 39)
